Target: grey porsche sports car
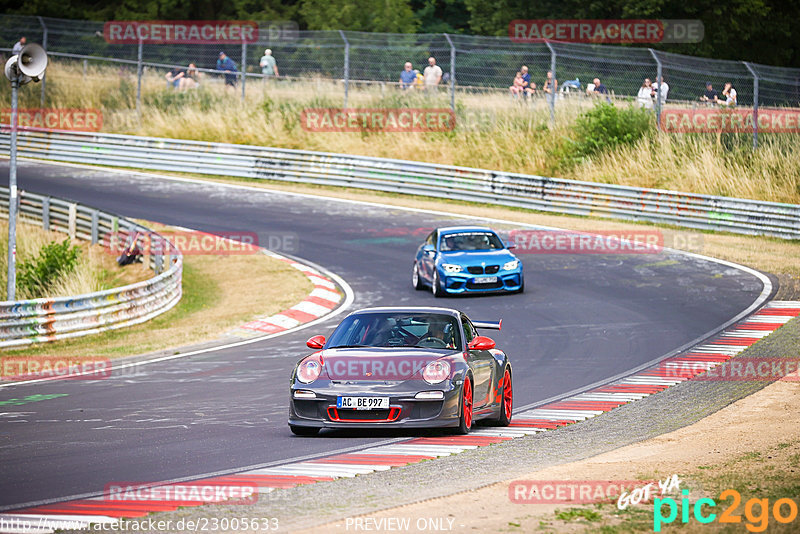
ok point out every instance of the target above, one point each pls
(407, 367)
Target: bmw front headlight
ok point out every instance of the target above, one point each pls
(451, 268)
(510, 265)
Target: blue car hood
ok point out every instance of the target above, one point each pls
(472, 257)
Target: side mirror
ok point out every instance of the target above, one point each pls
(511, 245)
(429, 248)
(317, 342)
(481, 343)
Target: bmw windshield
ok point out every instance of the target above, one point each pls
(395, 329)
(462, 241)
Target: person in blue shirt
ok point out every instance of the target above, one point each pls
(226, 64)
(528, 88)
(407, 76)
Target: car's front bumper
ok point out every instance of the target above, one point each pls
(462, 282)
(404, 410)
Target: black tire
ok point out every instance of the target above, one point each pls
(304, 430)
(466, 420)
(435, 287)
(506, 402)
(416, 280)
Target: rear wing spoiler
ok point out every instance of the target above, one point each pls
(493, 325)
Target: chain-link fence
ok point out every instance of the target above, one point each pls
(469, 63)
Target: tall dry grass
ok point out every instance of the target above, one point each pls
(494, 131)
(96, 268)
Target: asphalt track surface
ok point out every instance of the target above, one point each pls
(583, 318)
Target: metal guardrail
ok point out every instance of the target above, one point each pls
(555, 195)
(41, 320)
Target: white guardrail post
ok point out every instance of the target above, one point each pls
(555, 195)
(23, 322)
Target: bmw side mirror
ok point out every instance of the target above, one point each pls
(481, 343)
(316, 342)
(429, 248)
(510, 245)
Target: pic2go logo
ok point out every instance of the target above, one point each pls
(758, 521)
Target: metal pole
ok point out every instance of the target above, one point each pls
(659, 81)
(554, 89)
(452, 74)
(139, 79)
(244, 67)
(44, 45)
(11, 286)
(346, 66)
(755, 103)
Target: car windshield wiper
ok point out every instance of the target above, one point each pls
(349, 346)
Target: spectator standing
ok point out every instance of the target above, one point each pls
(432, 74)
(710, 95)
(269, 67)
(661, 89)
(226, 64)
(729, 93)
(175, 77)
(407, 76)
(17, 48)
(644, 98)
(550, 87)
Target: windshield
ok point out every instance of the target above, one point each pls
(470, 241)
(388, 329)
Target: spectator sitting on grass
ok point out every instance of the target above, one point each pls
(596, 88)
(191, 78)
(528, 87)
(269, 66)
(407, 76)
(175, 76)
(710, 95)
(730, 94)
(518, 85)
(226, 64)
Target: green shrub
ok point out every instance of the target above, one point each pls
(54, 260)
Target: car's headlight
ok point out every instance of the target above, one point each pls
(510, 265)
(309, 370)
(451, 268)
(436, 371)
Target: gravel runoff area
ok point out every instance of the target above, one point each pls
(679, 406)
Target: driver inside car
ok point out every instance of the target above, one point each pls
(438, 330)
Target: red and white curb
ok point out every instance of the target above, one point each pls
(322, 300)
(721, 348)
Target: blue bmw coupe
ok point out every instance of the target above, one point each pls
(466, 259)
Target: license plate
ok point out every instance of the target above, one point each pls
(485, 280)
(363, 403)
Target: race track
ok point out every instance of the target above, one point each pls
(583, 318)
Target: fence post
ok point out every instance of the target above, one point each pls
(452, 74)
(555, 86)
(46, 213)
(659, 81)
(139, 79)
(244, 66)
(346, 66)
(72, 221)
(95, 226)
(44, 45)
(755, 103)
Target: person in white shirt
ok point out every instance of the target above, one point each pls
(432, 74)
(18, 46)
(730, 94)
(664, 89)
(644, 98)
